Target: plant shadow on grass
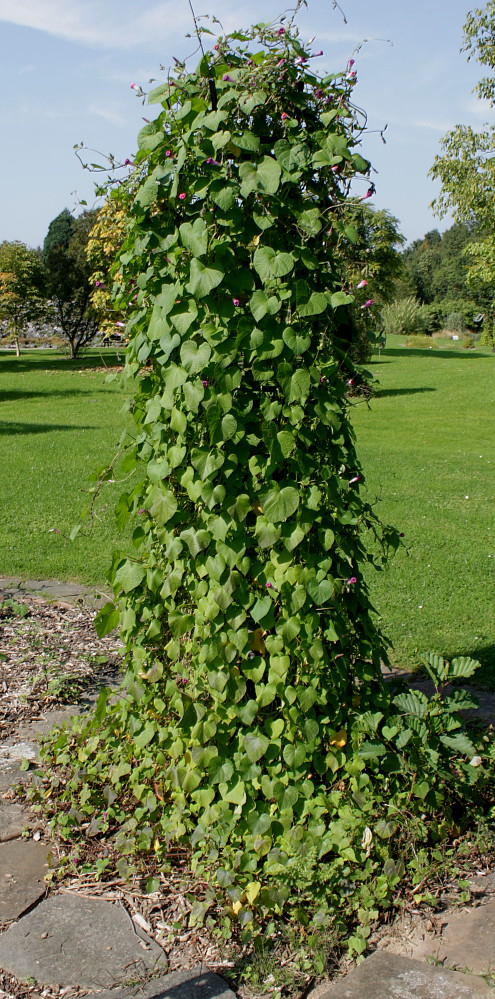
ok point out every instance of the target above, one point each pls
(41, 428)
(48, 362)
(447, 355)
(382, 393)
(485, 676)
(15, 396)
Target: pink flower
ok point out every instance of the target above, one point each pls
(369, 194)
(352, 77)
(351, 581)
(316, 54)
(336, 168)
(299, 61)
(355, 479)
(204, 383)
(128, 162)
(168, 152)
(367, 304)
(362, 284)
(250, 62)
(281, 31)
(141, 509)
(227, 78)
(133, 86)
(216, 47)
(322, 379)
(98, 284)
(280, 63)
(269, 586)
(182, 196)
(351, 62)
(212, 161)
(284, 116)
(235, 301)
(350, 381)
(120, 325)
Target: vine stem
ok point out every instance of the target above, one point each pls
(211, 82)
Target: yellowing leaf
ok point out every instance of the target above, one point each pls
(367, 841)
(339, 739)
(237, 906)
(258, 644)
(156, 845)
(252, 891)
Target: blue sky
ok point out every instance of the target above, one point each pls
(67, 66)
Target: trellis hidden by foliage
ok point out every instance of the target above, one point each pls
(254, 726)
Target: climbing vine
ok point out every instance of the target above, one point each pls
(254, 724)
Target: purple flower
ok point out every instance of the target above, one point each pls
(355, 479)
(351, 62)
(168, 152)
(204, 383)
(322, 379)
(184, 680)
(98, 284)
(401, 535)
(318, 93)
(226, 78)
(250, 62)
(235, 301)
(281, 31)
(351, 581)
(212, 161)
(315, 54)
(367, 304)
(269, 586)
(299, 61)
(128, 162)
(369, 194)
(280, 63)
(141, 510)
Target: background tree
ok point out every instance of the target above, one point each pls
(105, 241)
(68, 277)
(22, 289)
(466, 167)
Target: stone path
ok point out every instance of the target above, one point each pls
(71, 942)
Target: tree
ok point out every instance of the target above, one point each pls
(466, 168)
(64, 257)
(104, 244)
(22, 288)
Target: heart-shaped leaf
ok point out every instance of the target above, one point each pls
(203, 279)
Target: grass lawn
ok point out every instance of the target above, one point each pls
(59, 421)
(427, 444)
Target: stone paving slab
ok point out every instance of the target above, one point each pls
(466, 941)
(23, 865)
(195, 983)
(73, 940)
(13, 819)
(52, 588)
(388, 976)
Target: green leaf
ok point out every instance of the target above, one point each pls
(340, 298)
(460, 743)
(228, 427)
(267, 534)
(107, 619)
(130, 575)
(463, 666)
(269, 264)
(286, 442)
(194, 236)
(290, 629)
(261, 608)
(371, 750)
(261, 305)
(309, 303)
(279, 504)
(180, 624)
(248, 141)
(203, 279)
(163, 504)
(299, 386)
(292, 156)
(263, 176)
(255, 745)
(295, 341)
(194, 356)
(309, 220)
(224, 194)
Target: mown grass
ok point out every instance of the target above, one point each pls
(427, 445)
(59, 421)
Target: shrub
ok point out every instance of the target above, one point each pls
(454, 323)
(403, 317)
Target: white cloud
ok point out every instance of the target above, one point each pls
(107, 113)
(435, 126)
